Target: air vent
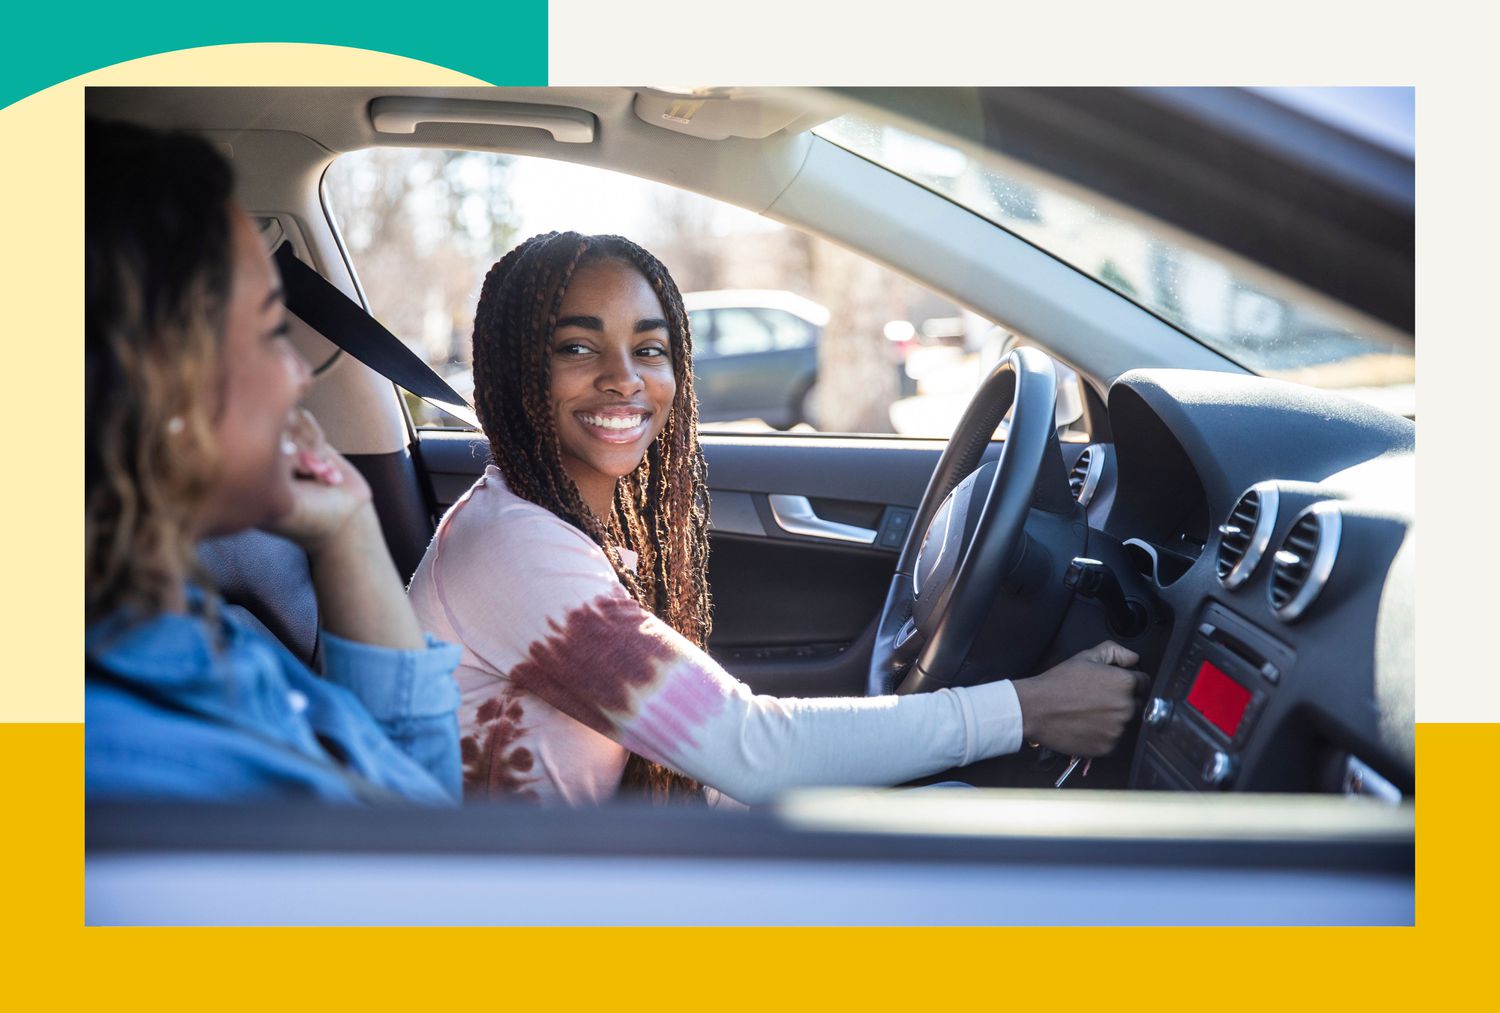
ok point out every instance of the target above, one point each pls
(1244, 535)
(1304, 561)
(1084, 478)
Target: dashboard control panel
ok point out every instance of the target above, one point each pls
(1201, 722)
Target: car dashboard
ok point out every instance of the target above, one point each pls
(1274, 527)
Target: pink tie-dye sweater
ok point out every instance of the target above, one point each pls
(562, 673)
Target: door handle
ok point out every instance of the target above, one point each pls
(795, 515)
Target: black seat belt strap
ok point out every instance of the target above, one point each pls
(318, 303)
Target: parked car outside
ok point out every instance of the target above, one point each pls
(755, 355)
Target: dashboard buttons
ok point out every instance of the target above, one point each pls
(1158, 712)
(1218, 769)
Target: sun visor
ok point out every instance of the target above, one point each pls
(716, 116)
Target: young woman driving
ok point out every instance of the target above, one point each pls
(573, 575)
(192, 431)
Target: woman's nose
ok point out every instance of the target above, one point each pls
(619, 375)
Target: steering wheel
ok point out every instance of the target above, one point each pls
(969, 539)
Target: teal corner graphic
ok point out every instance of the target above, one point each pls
(501, 42)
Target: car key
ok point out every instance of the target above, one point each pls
(1071, 765)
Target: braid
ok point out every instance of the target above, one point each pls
(660, 510)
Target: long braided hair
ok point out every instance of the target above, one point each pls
(661, 508)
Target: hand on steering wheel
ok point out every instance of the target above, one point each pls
(969, 540)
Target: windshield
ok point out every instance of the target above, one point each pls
(1253, 316)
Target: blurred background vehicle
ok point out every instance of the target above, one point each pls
(755, 355)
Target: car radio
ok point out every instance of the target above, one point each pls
(1196, 730)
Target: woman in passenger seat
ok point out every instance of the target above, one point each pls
(193, 430)
(573, 575)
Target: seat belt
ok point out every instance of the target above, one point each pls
(318, 303)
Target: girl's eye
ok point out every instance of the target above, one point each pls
(652, 352)
(572, 348)
(282, 331)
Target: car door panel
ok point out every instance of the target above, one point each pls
(834, 856)
(794, 613)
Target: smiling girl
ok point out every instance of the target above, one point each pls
(573, 573)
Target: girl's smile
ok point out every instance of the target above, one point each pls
(616, 425)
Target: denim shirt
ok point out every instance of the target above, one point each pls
(214, 710)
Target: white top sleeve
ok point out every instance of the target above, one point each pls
(540, 612)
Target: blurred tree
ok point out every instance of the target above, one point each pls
(857, 381)
(681, 236)
(423, 227)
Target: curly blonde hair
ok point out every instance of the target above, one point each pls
(157, 279)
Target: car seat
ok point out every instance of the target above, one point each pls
(265, 580)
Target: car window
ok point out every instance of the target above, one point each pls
(740, 331)
(788, 331)
(702, 324)
(423, 226)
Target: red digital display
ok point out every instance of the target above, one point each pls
(1219, 698)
